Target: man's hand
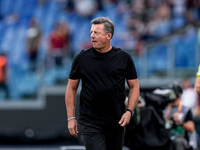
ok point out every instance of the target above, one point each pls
(177, 119)
(126, 117)
(73, 127)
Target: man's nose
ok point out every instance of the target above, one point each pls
(92, 35)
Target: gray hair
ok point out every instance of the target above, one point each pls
(108, 24)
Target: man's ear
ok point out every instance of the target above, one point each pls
(109, 35)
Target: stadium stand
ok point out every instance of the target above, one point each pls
(14, 23)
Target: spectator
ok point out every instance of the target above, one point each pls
(86, 8)
(59, 43)
(4, 74)
(12, 19)
(41, 2)
(189, 96)
(160, 19)
(34, 35)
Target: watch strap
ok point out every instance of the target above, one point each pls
(132, 112)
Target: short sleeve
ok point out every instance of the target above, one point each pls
(189, 116)
(130, 70)
(75, 69)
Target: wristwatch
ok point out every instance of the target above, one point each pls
(132, 112)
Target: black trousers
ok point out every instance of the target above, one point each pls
(104, 137)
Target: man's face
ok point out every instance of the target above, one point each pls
(99, 38)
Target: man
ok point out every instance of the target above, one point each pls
(197, 82)
(179, 120)
(103, 70)
(189, 96)
(59, 43)
(34, 36)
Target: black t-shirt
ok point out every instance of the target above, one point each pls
(103, 84)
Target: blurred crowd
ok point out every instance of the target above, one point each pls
(144, 19)
(64, 34)
(140, 21)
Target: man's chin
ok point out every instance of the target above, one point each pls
(96, 47)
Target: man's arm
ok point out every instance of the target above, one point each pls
(188, 123)
(132, 101)
(134, 93)
(187, 126)
(70, 101)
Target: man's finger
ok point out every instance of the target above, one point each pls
(121, 121)
(73, 128)
(73, 133)
(76, 129)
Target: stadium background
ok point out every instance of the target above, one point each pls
(161, 35)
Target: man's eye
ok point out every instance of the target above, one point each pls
(96, 33)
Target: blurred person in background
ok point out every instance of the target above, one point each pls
(12, 19)
(103, 70)
(4, 74)
(197, 81)
(34, 35)
(59, 44)
(189, 96)
(86, 8)
(179, 120)
(192, 11)
(161, 18)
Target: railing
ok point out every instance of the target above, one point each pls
(175, 57)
